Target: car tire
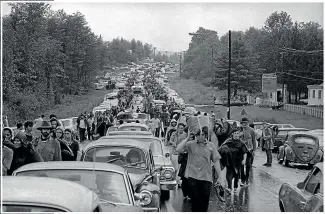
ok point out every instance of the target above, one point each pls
(286, 162)
(165, 195)
(281, 206)
(278, 157)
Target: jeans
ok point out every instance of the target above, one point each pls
(157, 132)
(230, 174)
(89, 133)
(82, 134)
(200, 194)
(269, 156)
(174, 159)
(249, 162)
(185, 187)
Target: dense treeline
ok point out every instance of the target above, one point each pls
(51, 55)
(258, 51)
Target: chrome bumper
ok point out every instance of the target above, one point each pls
(150, 209)
(168, 185)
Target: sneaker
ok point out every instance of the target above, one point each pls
(228, 191)
(265, 164)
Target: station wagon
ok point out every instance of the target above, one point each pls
(39, 194)
(99, 177)
(143, 173)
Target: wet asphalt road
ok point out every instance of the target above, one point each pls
(260, 196)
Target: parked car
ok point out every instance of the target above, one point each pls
(161, 158)
(142, 117)
(110, 182)
(39, 194)
(282, 134)
(133, 127)
(143, 172)
(300, 147)
(283, 125)
(307, 196)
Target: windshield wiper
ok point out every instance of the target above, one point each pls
(108, 202)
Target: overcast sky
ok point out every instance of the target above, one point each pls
(166, 25)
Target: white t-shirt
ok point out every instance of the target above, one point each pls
(82, 124)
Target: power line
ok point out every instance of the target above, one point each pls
(291, 50)
(302, 77)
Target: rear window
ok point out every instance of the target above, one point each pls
(305, 140)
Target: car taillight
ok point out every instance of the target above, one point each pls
(168, 174)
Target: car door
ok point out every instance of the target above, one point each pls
(315, 189)
(155, 174)
(298, 199)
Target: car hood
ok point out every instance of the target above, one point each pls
(120, 208)
(136, 178)
(159, 161)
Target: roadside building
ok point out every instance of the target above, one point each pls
(315, 95)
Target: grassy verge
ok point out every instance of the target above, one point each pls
(195, 93)
(75, 105)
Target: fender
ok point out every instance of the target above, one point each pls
(281, 152)
(290, 155)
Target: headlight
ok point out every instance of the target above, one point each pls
(168, 174)
(146, 197)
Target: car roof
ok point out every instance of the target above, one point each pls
(72, 165)
(302, 133)
(128, 133)
(129, 140)
(134, 124)
(47, 191)
(293, 129)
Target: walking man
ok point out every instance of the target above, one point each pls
(248, 137)
(267, 143)
(175, 139)
(201, 155)
(49, 148)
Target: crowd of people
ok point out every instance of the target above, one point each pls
(197, 156)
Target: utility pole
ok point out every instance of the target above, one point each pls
(154, 53)
(229, 92)
(283, 95)
(180, 63)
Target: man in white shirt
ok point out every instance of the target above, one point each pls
(156, 125)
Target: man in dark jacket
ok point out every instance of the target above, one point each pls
(233, 156)
(82, 125)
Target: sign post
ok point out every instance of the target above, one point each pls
(269, 82)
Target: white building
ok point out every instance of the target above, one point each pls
(275, 96)
(315, 95)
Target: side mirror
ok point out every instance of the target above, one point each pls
(138, 196)
(301, 185)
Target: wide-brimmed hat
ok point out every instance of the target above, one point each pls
(45, 125)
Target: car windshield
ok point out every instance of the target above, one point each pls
(124, 116)
(305, 140)
(142, 116)
(132, 128)
(66, 123)
(284, 126)
(28, 208)
(109, 186)
(129, 157)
